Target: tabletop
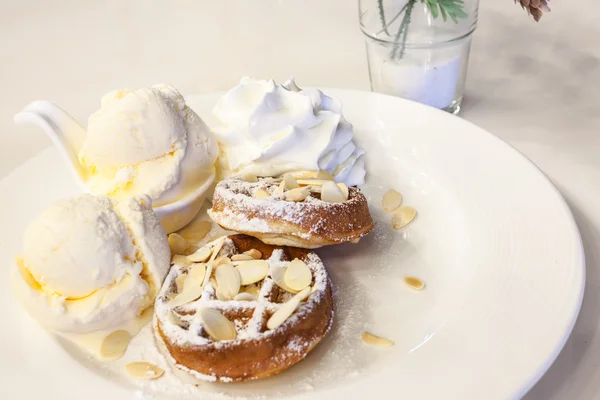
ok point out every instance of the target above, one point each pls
(533, 85)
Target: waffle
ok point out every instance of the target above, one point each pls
(258, 350)
(273, 218)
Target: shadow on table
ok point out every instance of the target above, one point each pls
(557, 381)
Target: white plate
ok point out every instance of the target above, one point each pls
(494, 242)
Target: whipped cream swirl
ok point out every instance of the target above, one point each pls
(270, 129)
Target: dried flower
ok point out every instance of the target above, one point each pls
(535, 8)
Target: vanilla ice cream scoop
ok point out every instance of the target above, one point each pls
(140, 141)
(147, 141)
(268, 129)
(91, 263)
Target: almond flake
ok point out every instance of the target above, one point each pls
(414, 283)
(207, 276)
(324, 175)
(287, 309)
(216, 324)
(252, 290)
(297, 275)
(217, 248)
(174, 318)
(201, 255)
(250, 178)
(344, 188)
(180, 282)
(241, 257)
(144, 370)
(298, 194)
(192, 286)
(257, 255)
(222, 260)
(290, 182)
(305, 174)
(228, 282)
(280, 189)
(403, 216)
(195, 231)
(262, 194)
(369, 338)
(181, 261)
(115, 345)
(391, 200)
(244, 296)
(252, 271)
(311, 182)
(278, 276)
(178, 244)
(332, 193)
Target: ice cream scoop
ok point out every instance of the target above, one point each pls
(141, 141)
(91, 263)
(269, 129)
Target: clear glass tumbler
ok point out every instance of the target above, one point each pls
(419, 49)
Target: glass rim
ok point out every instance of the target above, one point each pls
(424, 44)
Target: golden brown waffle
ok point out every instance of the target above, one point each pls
(257, 351)
(310, 223)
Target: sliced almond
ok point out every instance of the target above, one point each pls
(311, 182)
(391, 200)
(207, 276)
(250, 178)
(115, 345)
(144, 370)
(280, 189)
(298, 194)
(252, 271)
(257, 255)
(192, 286)
(287, 309)
(180, 282)
(241, 257)
(403, 216)
(228, 282)
(261, 194)
(217, 248)
(181, 261)
(195, 231)
(26, 275)
(252, 290)
(222, 260)
(201, 255)
(290, 182)
(297, 275)
(244, 296)
(332, 193)
(414, 283)
(216, 324)
(370, 339)
(344, 188)
(324, 175)
(178, 244)
(174, 318)
(278, 276)
(305, 174)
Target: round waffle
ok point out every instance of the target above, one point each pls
(264, 209)
(265, 330)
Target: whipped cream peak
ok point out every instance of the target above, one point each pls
(268, 129)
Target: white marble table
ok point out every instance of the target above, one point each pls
(535, 86)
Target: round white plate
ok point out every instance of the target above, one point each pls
(494, 241)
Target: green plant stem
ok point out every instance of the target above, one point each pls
(400, 38)
(382, 16)
(385, 27)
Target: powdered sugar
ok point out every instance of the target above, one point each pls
(190, 332)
